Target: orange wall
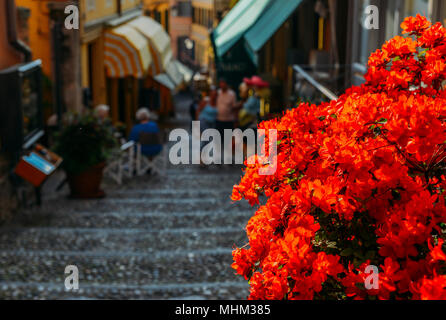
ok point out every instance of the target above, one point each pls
(179, 26)
(39, 32)
(8, 56)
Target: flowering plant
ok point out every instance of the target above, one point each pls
(360, 182)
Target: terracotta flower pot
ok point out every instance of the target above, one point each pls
(86, 185)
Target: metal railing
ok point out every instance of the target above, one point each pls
(322, 89)
(318, 83)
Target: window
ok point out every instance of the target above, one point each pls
(166, 20)
(391, 14)
(91, 5)
(398, 10)
(368, 40)
(202, 17)
(184, 9)
(157, 16)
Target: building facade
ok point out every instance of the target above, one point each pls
(121, 94)
(159, 10)
(21, 105)
(363, 41)
(176, 18)
(327, 38)
(8, 57)
(180, 30)
(116, 56)
(206, 15)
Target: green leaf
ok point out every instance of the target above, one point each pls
(370, 255)
(347, 252)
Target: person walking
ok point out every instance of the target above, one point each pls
(207, 116)
(226, 103)
(208, 113)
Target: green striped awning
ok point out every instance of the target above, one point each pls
(272, 18)
(236, 23)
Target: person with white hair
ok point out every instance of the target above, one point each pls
(102, 112)
(146, 127)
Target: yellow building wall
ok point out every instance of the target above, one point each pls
(160, 6)
(209, 4)
(200, 34)
(163, 8)
(84, 65)
(98, 79)
(201, 37)
(152, 4)
(129, 4)
(101, 9)
(39, 32)
(105, 8)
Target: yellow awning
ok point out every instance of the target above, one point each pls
(159, 40)
(126, 53)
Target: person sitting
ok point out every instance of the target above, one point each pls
(147, 133)
(102, 112)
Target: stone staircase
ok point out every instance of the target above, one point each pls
(152, 238)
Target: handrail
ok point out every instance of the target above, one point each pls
(326, 92)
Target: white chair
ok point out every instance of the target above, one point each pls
(122, 164)
(158, 163)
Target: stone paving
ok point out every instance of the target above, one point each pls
(152, 238)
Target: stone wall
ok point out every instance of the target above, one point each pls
(8, 200)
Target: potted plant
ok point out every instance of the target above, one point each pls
(85, 144)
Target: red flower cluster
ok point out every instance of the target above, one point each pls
(359, 182)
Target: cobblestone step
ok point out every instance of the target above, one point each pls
(146, 220)
(117, 239)
(189, 291)
(145, 204)
(200, 181)
(170, 193)
(130, 268)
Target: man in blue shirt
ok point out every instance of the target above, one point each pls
(147, 133)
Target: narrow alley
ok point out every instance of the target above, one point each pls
(152, 238)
